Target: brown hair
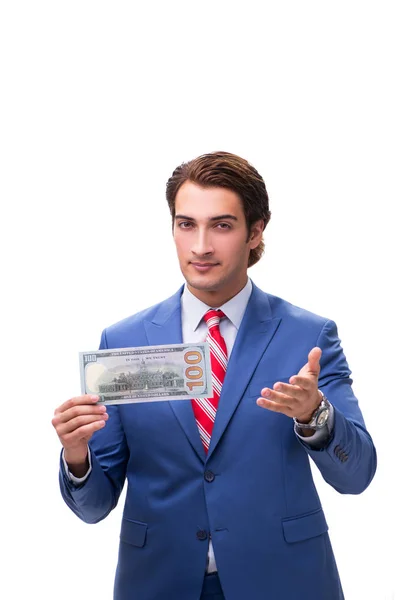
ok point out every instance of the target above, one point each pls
(223, 169)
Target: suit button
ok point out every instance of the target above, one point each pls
(202, 535)
(209, 476)
(338, 451)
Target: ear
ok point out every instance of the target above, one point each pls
(256, 233)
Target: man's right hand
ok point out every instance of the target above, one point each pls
(75, 422)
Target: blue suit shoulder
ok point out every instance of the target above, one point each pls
(133, 320)
(281, 308)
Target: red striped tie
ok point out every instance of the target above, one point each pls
(205, 409)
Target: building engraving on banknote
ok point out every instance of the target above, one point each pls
(143, 379)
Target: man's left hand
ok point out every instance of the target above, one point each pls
(300, 397)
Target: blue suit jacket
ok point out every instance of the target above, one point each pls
(253, 493)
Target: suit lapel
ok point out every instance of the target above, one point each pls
(255, 333)
(166, 328)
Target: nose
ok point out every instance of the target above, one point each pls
(202, 245)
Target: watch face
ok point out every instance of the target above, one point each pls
(322, 418)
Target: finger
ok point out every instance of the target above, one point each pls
(275, 406)
(305, 383)
(78, 422)
(76, 411)
(82, 433)
(313, 361)
(294, 391)
(78, 400)
(278, 397)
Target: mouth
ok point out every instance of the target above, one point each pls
(203, 267)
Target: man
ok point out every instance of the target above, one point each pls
(220, 500)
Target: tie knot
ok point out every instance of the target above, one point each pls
(213, 317)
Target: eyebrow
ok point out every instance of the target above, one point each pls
(218, 218)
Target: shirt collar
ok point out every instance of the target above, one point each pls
(193, 309)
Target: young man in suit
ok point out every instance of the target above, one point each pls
(220, 500)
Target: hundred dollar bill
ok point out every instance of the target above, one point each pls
(147, 374)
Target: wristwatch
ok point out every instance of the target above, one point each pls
(319, 417)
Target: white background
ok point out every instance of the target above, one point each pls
(100, 101)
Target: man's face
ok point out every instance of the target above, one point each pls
(211, 238)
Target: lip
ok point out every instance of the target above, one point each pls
(203, 267)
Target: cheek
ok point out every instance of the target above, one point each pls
(234, 249)
(181, 244)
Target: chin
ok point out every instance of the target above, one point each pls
(202, 283)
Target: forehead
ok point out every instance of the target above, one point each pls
(199, 202)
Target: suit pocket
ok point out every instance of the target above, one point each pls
(133, 532)
(304, 527)
(256, 385)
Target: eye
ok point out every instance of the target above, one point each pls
(185, 225)
(224, 226)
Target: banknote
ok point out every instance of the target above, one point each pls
(147, 374)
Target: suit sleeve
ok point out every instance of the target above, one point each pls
(98, 495)
(348, 461)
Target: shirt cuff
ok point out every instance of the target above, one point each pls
(72, 478)
(321, 436)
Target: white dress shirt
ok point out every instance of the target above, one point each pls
(194, 329)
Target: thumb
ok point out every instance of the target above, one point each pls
(313, 365)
